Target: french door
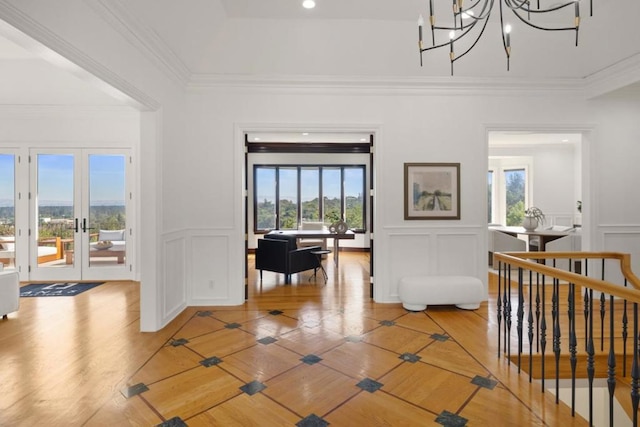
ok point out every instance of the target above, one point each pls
(81, 226)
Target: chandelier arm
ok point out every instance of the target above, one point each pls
(511, 4)
(484, 25)
(485, 11)
(537, 27)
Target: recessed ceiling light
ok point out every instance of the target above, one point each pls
(363, 139)
(308, 4)
(565, 140)
(256, 139)
(305, 133)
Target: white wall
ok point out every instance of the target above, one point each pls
(78, 31)
(191, 168)
(408, 128)
(614, 201)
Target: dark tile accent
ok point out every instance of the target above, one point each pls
(312, 421)
(484, 382)
(410, 357)
(449, 419)
(353, 338)
(267, 340)
(134, 390)
(210, 361)
(205, 313)
(369, 385)
(179, 341)
(387, 322)
(275, 312)
(311, 359)
(439, 337)
(232, 325)
(253, 387)
(173, 422)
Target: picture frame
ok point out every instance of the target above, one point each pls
(431, 191)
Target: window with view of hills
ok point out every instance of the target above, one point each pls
(286, 196)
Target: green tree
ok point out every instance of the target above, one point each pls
(515, 214)
(515, 186)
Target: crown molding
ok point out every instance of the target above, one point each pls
(92, 70)
(391, 85)
(32, 110)
(616, 76)
(147, 41)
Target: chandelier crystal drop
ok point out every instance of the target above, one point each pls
(468, 23)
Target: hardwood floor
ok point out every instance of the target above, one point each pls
(305, 354)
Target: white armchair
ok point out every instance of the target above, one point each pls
(9, 292)
(503, 242)
(7, 249)
(303, 243)
(570, 243)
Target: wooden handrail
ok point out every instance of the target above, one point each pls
(527, 261)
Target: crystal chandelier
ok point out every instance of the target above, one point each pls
(470, 22)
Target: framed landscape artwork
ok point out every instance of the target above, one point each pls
(431, 191)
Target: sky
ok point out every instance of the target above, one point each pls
(56, 179)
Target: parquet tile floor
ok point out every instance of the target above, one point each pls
(305, 354)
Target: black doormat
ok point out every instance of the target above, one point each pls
(64, 289)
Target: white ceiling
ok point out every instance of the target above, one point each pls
(339, 38)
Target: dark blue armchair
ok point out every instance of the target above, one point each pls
(279, 253)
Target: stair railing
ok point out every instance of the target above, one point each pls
(553, 301)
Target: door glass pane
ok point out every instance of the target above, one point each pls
(331, 193)
(107, 214)
(515, 186)
(265, 198)
(310, 194)
(354, 197)
(288, 198)
(54, 209)
(7, 210)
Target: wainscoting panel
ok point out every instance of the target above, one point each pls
(209, 267)
(427, 251)
(174, 287)
(465, 263)
(620, 238)
(409, 255)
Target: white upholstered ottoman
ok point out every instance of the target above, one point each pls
(417, 292)
(9, 292)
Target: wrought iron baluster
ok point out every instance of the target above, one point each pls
(635, 369)
(520, 313)
(590, 357)
(573, 344)
(611, 362)
(555, 314)
(586, 318)
(543, 335)
(538, 312)
(625, 334)
(530, 329)
(602, 312)
(499, 305)
(507, 312)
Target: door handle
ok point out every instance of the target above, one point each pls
(84, 225)
(76, 227)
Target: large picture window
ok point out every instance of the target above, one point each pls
(509, 190)
(286, 196)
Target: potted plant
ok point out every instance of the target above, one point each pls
(533, 217)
